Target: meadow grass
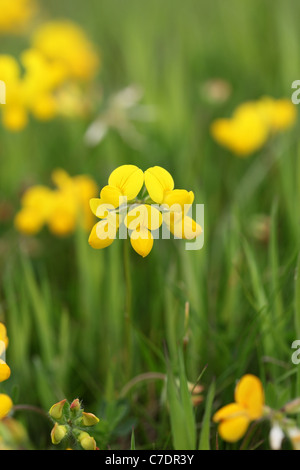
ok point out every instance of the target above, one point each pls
(126, 334)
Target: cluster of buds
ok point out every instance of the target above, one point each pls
(71, 421)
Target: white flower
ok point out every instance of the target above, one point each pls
(276, 437)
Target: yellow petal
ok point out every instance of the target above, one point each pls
(103, 234)
(99, 208)
(6, 405)
(250, 394)
(178, 200)
(113, 196)
(4, 371)
(158, 181)
(3, 334)
(233, 420)
(232, 430)
(142, 241)
(129, 179)
(182, 226)
(144, 216)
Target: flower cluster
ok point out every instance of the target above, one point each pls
(71, 423)
(252, 124)
(234, 419)
(159, 202)
(249, 406)
(15, 15)
(62, 209)
(5, 401)
(49, 78)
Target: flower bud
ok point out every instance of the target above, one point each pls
(58, 433)
(89, 419)
(75, 405)
(57, 409)
(87, 441)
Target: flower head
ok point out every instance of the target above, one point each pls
(234, 419)
(253, 123)
(146, 214)
(62, 209)
(64, 42)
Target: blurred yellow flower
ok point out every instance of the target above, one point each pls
(4, 371)
(64, 42)
(15, 14)
(124, 185)
(48, 78)
(31, 92)
(6, 405)
(3, 336)
(252, 124)
(234, 419)
(62, 209)
(4, 368)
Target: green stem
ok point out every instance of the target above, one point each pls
(128, 308)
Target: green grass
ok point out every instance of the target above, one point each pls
(85, 323)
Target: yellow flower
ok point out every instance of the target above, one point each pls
(6, 405)
(37, 205)
(141, 220)
(86, 441)
(65, 42)
(58, 433)
(234, 419)
(14, 113)
(15, 14)
(3, 336)
(252, 123)
(280, 114)
(61, 209)
(32, 91)
(243, 134)
(4, 371)
(175, 203)
(124, 185)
